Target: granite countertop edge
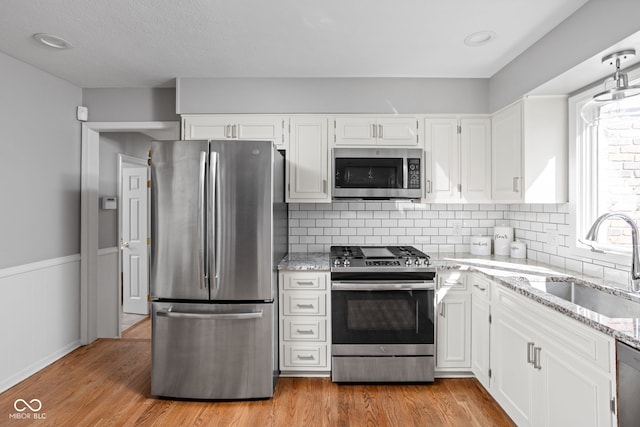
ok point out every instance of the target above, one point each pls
(518, 275)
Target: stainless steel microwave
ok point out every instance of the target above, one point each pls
(377, 173)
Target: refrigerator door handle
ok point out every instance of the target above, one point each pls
(214, 222)
(211, 316)
(202, 220)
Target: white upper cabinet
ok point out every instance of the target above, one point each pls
(246, 126)
(529, 151)
(308, 161)
(379, 131)
(458, 159)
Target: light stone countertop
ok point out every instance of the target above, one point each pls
(525, 277)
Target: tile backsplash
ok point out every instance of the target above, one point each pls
(441, 228)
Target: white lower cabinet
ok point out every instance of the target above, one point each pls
(480, 328)
(304, 323)
(453, 323)
(547, 369)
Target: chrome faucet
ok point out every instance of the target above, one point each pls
(592, 236)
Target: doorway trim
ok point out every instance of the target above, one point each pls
(89, 184)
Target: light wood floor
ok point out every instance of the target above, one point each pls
(107, 384)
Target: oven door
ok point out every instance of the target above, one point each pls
(391, 318)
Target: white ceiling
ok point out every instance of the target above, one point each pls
(148, 43)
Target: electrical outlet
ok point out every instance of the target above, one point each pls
(553, 236)
(457, 228)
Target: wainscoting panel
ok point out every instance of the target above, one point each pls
(40, 316)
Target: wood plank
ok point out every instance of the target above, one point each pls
(108, 383)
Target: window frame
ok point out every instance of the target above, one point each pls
(583, 163)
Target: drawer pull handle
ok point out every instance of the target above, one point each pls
(475, 285)
(536, 358)
(309, 357)
(304, 305)
(305, 331)
(530, 352)
(305, 283)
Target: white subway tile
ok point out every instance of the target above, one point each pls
(381, 231)
(480, 215)
(307, 223)
(389, 240)
(391, 223)
(373, 240)
(373, 206)
(347, 214)
(592, 270)
(398, 231)
(315, 231)
(373, 223)
(364, 214)
(364, 231)
(348, 231)
(381, 214)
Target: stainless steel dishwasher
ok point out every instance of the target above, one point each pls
(628, 385)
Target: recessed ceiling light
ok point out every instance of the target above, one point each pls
(52, 41)
(479, 39)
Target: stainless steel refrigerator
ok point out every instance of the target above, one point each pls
(218, 230)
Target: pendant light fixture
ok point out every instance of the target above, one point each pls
(617, 101)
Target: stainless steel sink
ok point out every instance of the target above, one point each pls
(594, 299)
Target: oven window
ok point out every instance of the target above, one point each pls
(368, 173)
(382, 317)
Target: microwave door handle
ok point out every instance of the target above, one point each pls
(202, 225)
(405, 173)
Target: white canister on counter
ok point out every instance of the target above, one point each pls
(518, 249)
(502, 238)
(480, 245)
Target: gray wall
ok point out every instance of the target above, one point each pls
(592, 29)
(111, 144)
(332, 95)
(39, 165)
(130, 104)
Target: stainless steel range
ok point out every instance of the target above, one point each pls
(382, 309)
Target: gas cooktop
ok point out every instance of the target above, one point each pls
(375, 257)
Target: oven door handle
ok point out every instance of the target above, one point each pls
(383, 286)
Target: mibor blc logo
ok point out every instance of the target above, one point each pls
(27, 410)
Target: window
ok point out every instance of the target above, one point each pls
(605, 177)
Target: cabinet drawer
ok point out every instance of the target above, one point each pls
(296, 329)
(305, 281)
(453, 281)
(305, 356)
(481, 288)
(311, 304)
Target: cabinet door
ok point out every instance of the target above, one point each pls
(308, 161)
(206, 127)
(568, 391)
(355, 131)
(271, 128)
(453, 329)
(480, 339)
(512, 345)
(506, 162)
(443, 153)
(475, 160)
(398, 131)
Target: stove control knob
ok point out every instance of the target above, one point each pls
(408, 261)
(346, 262)
(336, 262)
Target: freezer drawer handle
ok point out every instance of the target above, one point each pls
(211, 316)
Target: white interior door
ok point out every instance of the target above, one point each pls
(135, 255)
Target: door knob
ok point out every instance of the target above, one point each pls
(125, 245)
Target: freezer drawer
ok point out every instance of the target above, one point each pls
(213, 351)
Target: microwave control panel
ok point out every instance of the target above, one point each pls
(414, 173)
